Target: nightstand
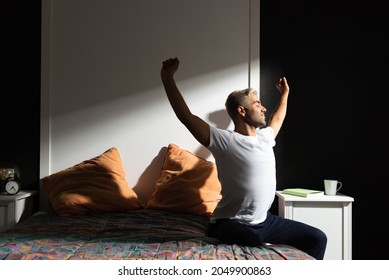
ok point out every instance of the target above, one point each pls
(331, 214)
(15, 208)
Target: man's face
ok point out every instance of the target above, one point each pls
(255, 112)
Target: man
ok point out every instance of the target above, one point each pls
(246, 168)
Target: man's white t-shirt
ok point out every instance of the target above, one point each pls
(247, 173)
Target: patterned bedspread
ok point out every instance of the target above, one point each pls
(140, 234)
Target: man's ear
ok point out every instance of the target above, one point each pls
(241, 111)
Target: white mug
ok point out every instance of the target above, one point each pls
(331, 187)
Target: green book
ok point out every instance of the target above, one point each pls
(301, 192)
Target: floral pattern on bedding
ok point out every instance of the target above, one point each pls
(139, 234)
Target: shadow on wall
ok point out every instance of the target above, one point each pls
(146, 183)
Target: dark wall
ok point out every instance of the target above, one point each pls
(20, 96)
(334, 55)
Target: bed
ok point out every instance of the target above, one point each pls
(94, 215)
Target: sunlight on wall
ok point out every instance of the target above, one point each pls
(141, 124)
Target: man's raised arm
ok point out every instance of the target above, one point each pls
(278, 115)
(197, 126)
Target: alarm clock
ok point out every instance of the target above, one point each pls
(12, 186)
(9, 180)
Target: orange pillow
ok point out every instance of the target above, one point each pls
(188, 184)
(92, 186)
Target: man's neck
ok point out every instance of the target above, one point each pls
(246, 130)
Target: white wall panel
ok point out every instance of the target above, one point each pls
(101, 85)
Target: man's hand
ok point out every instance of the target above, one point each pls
(169, 67)
(283, 86)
